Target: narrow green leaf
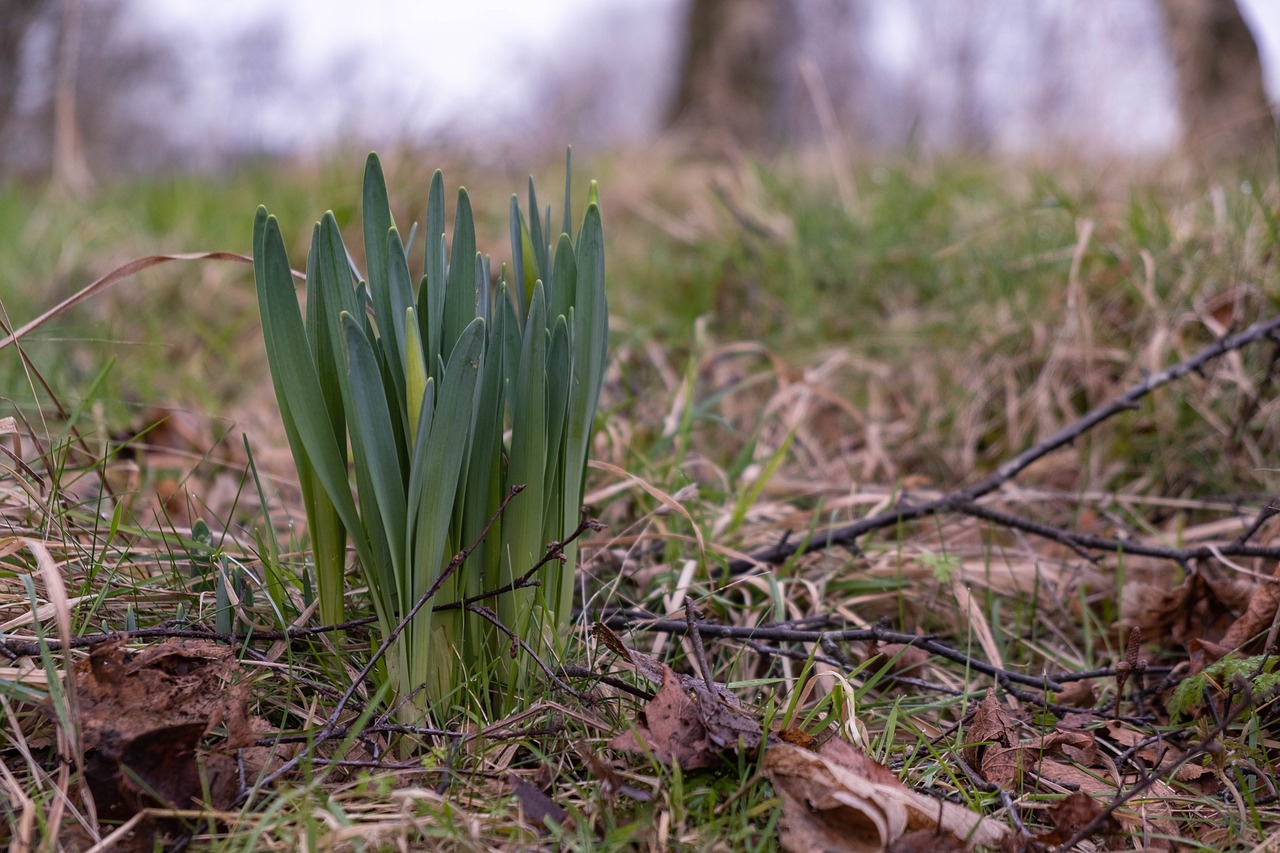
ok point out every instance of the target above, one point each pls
(399, 298)
(431, 316)
(321, 460)
(522, 526)
(538, 237)
(521, 252)
(415, 371)
(589, 333)
(563, 292)
(554, 522)
(373, 446)
(460, 298)
(433, 483)
(376, 215)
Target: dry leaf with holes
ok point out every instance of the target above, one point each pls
(143, 718)
(670, 727)
(688, 722)
(838, 799)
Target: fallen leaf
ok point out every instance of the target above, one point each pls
(645, 665)
(1198, 608)
(901, 659)
(611, 781)
(925, 841)
(671, 727)
(1257, 617)
(841, 800)
(688, 722)
(1071, 814)
(143, 718)
(1076, 694)
(991, 724)
(537, 808)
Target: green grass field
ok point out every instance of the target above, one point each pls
(785, 361)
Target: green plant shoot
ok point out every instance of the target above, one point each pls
(422, 385)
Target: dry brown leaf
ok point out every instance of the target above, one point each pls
(1257, 617)
(1199, 608)
(926, 841)
(645, 665)
(841, 800)
(671, 727)
(688, 722)
(991, 724)
(1071, 814)
(900, 658)
(537, 808)
(1077, 694)
(142, 720)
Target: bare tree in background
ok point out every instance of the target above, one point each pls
(1224, 106)
(90, 94)
(16, 18)
(733, 70)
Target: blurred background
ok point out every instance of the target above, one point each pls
(99, 89)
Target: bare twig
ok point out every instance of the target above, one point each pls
(1150, 778)
(691, 624)
(785, 634)
(492, 618)
(849, 534)
(1082, 543)
(555, 551)
(1265, 514)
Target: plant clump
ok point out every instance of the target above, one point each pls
(453, 395)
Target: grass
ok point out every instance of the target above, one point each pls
(782, 361)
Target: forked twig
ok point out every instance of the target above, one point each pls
(849, 534)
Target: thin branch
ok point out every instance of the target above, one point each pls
(691, 630)
(770, 632)
(492, 618)
(1081, 543)
(1150, 778)
(1264, 515)
(555, 551)
(849, 534)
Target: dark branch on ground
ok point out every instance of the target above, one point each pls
(847, 536)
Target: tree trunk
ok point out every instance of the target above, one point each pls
(1224, 106)
(16, 18)
(732, 70)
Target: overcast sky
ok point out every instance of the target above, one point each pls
(413, 68)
